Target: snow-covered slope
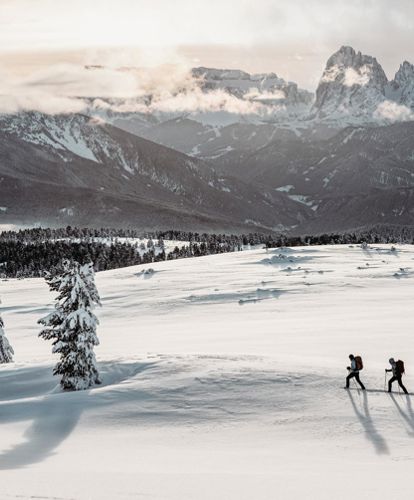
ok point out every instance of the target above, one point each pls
(222, 378)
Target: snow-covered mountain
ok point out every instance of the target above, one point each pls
(269, 170)
(266, 88)
(354, 90)
(71, 169)
(256, 102)
(362, 175)
(352, 85)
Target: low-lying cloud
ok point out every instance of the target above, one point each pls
(392, 112)
(69, 88)
(164, 89)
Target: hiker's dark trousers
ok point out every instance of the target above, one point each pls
(356, 376)
(398, 379)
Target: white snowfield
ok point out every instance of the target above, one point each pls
(222, 379)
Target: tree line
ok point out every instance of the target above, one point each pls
(32, 252)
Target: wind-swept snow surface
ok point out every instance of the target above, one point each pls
(222, 379)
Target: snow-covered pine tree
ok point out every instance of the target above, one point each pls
(6, 350)
(72, 325)
(161, 243)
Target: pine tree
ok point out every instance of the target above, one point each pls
(6, 350)
(161, 243)
(72, 325)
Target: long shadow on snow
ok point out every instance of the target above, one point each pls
(371, 432)
(53, 417)
(408, 416)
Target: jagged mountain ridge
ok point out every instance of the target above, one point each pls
(266, 88)
(352, 87)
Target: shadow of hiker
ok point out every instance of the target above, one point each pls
(371, 432)
(409, 416)
(52, 422)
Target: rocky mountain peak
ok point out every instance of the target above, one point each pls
(401, 89)
(405, 73)
(352, 84)
(347, 57)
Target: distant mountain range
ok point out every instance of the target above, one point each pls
(353, 91)
(69, 169)
(276, 158)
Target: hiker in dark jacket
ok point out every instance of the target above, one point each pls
(397, 374)
(353, 373)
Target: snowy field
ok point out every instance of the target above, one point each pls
(222, 379)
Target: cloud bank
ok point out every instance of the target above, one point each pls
(69, 88)
(165, 89)
(392, 112)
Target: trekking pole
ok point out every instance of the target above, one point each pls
(385, 380)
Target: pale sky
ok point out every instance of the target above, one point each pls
(293, 38)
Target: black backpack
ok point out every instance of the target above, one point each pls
(399, 367)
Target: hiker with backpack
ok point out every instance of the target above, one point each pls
(354, 369)
(398, 370)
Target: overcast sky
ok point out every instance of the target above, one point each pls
(290, 37)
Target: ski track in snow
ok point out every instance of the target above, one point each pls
(222, 378)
